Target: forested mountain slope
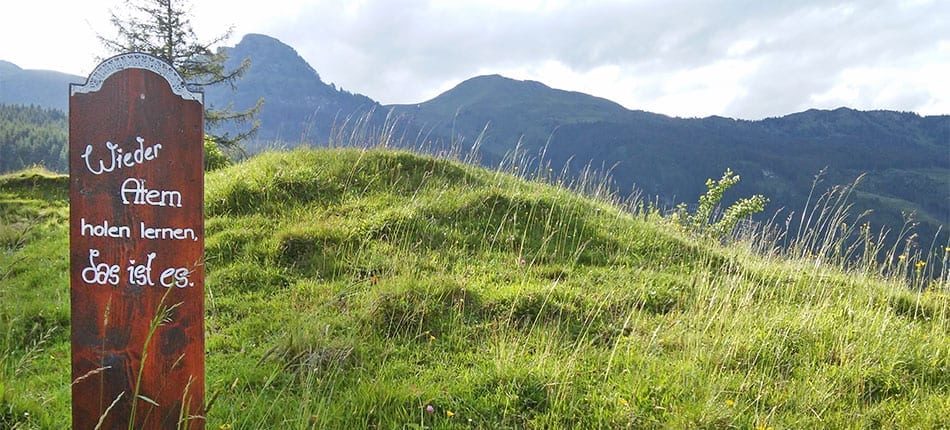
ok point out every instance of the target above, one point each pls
(31, 135)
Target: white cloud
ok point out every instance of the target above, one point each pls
(745, 59)
(748, 59)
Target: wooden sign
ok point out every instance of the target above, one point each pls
(136, 231)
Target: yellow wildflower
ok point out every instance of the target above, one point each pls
(730, 403)
(449, 413)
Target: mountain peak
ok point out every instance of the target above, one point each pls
(260, 43)
(261, 38)
(8, 67)
(499, 82)
(298, 105)
(502, 93)
(271, 54)
(494, 77)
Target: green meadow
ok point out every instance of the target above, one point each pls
(373, 288)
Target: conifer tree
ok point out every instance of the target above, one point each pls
(163, 28)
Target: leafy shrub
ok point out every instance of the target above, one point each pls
(704, 220)
(215, 158)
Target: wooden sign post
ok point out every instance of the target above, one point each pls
(136, 231)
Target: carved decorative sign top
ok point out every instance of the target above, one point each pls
(137, 60)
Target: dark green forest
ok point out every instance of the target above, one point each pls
(32, 135)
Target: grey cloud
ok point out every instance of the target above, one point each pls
(399, 51)
(814, 47)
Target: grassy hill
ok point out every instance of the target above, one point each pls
(380, 289)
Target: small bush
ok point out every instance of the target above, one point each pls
(215, 158)
(703, 220)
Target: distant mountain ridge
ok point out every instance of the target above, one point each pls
(511, 108)
(906, 156)
(44, 88)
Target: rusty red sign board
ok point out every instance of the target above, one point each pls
(136, 194)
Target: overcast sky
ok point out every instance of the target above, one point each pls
(744, 59)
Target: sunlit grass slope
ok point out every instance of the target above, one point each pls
(380, 289)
